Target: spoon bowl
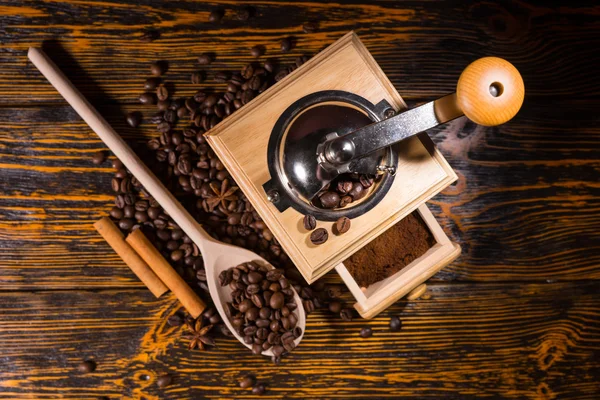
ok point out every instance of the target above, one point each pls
(219, 257)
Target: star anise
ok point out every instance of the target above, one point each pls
(222, 195)
(198, 334)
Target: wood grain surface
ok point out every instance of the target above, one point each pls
(516, 316)
(466, 341)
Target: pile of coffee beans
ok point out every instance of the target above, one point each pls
(183, 161)
(344, 190)
(87, 366)
(262, 310)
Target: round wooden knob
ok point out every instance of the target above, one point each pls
(490, 91)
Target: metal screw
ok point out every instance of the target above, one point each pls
(389, 113)
(273, 196)
(387, 168)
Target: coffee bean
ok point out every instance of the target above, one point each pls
(319, 236)
(343, 187)
(129, 198)
(254, 83)
(209, 101)
(162, 92)
(99, 157)
(257, 51)
(162, 105)
(141, 205)
(134, 119)
(342, 225)
(280, 75)
(170, 116)
(310, 27)
(121, 173)
(309, 306)
(252, 314)
(258, 389)
(278, 350)
(247, 71)
(125, 185)
(158, 68)
(255, 277)
(286, 45)
(87, 366)
(147, 98)
(346, 314)
(366, 181)
(335, 307)
(197, 77)
(116, 213)
(205, 59)
(289, 345)
(243, 14)
(330, 199)
(366, 332)
(141, 216)
(395, 324)
(269, 65)
(175, 320)
(253, 288)
(247, 381)
(216, 15)
(344, 201)
(182, 112)
(358, 191)
(164, 380)
(247, 96)
(221, 76)
(120, 201)
(117, 164)
(126, 224)
(262, 323)
(151, 83)
(163, 127)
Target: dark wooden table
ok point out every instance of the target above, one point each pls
(516, 316)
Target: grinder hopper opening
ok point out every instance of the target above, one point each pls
(296, 173)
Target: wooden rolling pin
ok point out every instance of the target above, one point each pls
(115, 238)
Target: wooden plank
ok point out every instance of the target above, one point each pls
(525, 206)
(422, 46)
(530, 341)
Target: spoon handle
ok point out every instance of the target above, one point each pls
(118, 146)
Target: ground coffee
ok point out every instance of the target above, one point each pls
(400, 245)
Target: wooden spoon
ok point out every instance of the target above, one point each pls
(217, 256)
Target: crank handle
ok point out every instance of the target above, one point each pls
(489, 92)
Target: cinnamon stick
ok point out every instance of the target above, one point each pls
(187, 297)
(116, 240)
